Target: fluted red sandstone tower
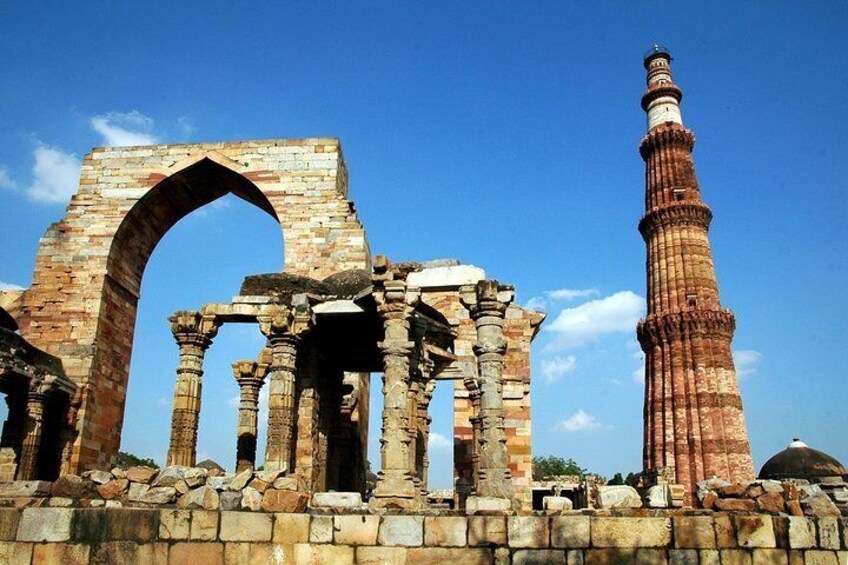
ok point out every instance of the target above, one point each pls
(694, 425)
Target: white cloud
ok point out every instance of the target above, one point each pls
(10, 286)
(578, 421)
(582, 324)
(556, 368)
(124, 129)
(55, 175)
(550, 297)
(164, 402)
(639, 375)
(6, 181)
(746, 361)
(438, 441)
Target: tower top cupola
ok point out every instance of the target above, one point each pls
(662, 99)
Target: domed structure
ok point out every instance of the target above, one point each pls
(799, 461)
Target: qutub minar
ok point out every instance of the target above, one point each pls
(694, 424)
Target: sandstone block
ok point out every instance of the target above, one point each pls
(735, 505)
(771, 502)
(570, 531)
(291, 528)
(618, 496)
(683, 557)
(321, 529)
(204, 497)
(801, 532)
(631, 532)
(539, 557)
(528, 531)
(285, 483)
(487, 530)
(829, 533)
(174, 524)
(574, 556)
(336, 499)
(72, 486)
(657, 497)
(230, 500)
(284, 501)
(625, 556)
(241, 480)
(158, 495)
(725, 531)
(557, 503)
(445, 556)
(770, 557)
(405, 531)
(142, 475)
(136, 524)
(98, 477)
(204, 525)
(694, 532)
(356, 530)
(819, 505)
(245, 526)
(61, 502)
(9, 520)
(445, 531)
(25, 489)
(195, 476)
(195, 553)
(114, 489)
(710, 557)
(755, 531)
(486, 504)
(64, 553)
(45, 524)
(12, 553)
(269, 476)
(251, 499)
(169, 476)
(309, 554)
(129, 552)
(821, 557)
(220, 482)
(381, 556)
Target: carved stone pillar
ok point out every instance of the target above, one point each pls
(193, 333)
(31, 444)
(250, 377)
(283, 327)
(416, 391)
(396, 306)
(309, 467)
(487, 303)
(424, 420)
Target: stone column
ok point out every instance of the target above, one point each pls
(396, 306)
(250, 377)
(31, 444)
(193, 333)
(424, 420)
(283, 327)
(487, 303)
(416, 391)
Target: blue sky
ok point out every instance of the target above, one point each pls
(503, 135)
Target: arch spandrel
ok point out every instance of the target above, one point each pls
(81, 306)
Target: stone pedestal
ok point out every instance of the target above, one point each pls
(193, 334)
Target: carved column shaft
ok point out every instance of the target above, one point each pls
(250, 377)
(281, 401)
(194, 336)
(28, 465)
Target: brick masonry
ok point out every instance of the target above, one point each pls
(168, 536)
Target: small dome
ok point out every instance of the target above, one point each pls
(798, 461)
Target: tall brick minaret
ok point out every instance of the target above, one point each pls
(694, 425)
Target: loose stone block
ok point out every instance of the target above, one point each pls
(174, 524)
(245, 526)
(336, 500)
(251, 499)
(321, 529)
(445, 531)
(143, 475)
(308, 554)
(445, 556)
(528, 531)
(694, 532)
(631, 532)
(557, 503)
(480, 504)
(618, 496)
(401, 530)
(229, 500)
(570, 531)
(487, 530)
(194, 553)
(204, 525)
(64, 553)
(291, 528)
(284, 501)
(770, 557)
(204, 497)
(45, 524)
(625, 557)
(539, 557)
(356, 530)
(755, 531)
(381, 556)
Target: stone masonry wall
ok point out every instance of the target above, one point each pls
(82, 303)
(177, 537)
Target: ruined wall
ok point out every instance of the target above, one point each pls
(173, 536)
(82, 303)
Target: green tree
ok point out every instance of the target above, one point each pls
(546, 466)
(125, 460)
(616, 479)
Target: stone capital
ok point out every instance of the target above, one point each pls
(193, 328)
(279, 320)
(487, 298)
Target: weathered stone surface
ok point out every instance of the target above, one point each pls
(818, 504)
(755, 531)
(291, 528)
(557, 503)
(657, 497)
(25, 489)
(204, 525)
(321, 529)
(64, 553)
(72, 486)
(625, 557)
(245, 526)
(631, 532)
(194, 553)
(157, 495)
(309, 554)
(570, 531)
(251, 499)
(135, 524)
(60, 502)
(356, 530)
(405, 531)
(770, 557)
(114, 489)
(284, 501)
(174, 524)
(137, 491)
(445, 531)
(683, 557)
(241, 480)
(205, 497)
(336, 499)
(487, 504)
(230, 500)
(381, 555)
(195, 476)
(141, 474)
(771, 502)
(98, 477)
(446, 556)
(285, 483)
(829, 534)
(735, 505)
(619, 496)
(219, 483)
(694, 532)
(45, 524)
(487, 530)
(801, 532)
(169, 476)
(528, 531)
(9, 520)
(821, 557)
(269, 476)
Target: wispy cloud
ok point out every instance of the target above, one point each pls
(55, 174)
(551, 297)
(438, 441)
(746, 361)
(6, 181)
(10, 286)
(579, 421)
(583, 324)
(556, 368)
(121, 129)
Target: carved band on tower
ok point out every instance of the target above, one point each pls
(694, 424)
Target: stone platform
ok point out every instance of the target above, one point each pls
(176, 536)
